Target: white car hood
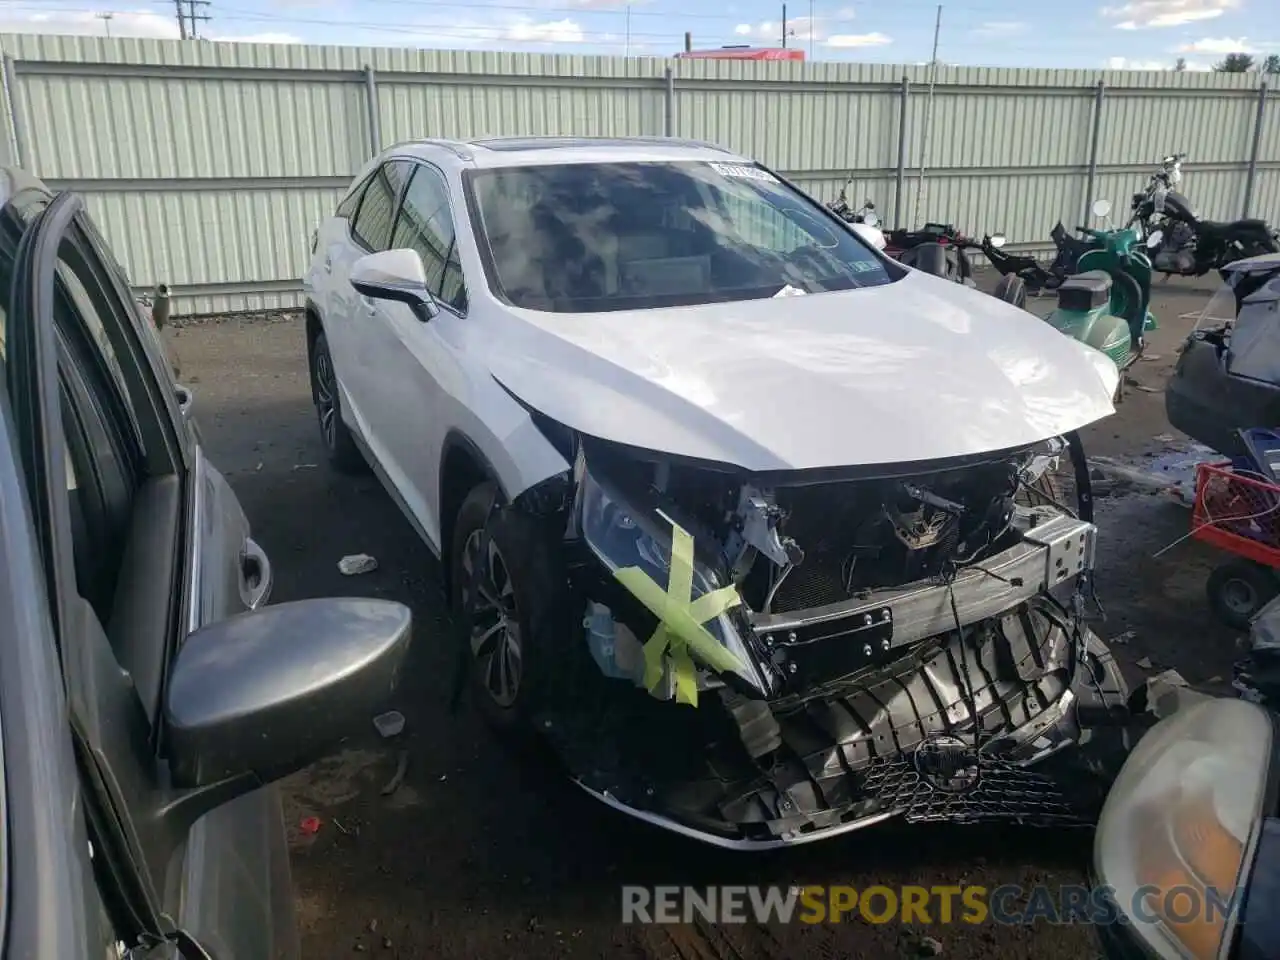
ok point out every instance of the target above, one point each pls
(921, 369)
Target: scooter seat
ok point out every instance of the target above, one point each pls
(1085, 291)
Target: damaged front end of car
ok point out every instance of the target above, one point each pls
(760, 660)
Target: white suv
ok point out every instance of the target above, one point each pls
(680, 438)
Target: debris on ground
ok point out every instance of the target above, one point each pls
(1149, 357)
(304, 466)
(1164, 438)
(309, 826)
(1146, 389)
(357, 563)
(397, 778)
(1214, 679)
(389, 724)
(929, 947)
(1145, 664)
(1171, 677)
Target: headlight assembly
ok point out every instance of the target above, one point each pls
(623, 535)
(1179, 827)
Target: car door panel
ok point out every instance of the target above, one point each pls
(181, 567)
(356, 361)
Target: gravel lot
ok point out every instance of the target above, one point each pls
(480, 854)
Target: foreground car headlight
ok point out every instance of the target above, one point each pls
(622, 535)
(1179, 827)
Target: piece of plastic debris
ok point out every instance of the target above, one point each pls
(790, 291)
(373, 926)
(1146, 389)
(1124, 637)
(1171, 677)
(309, 826)
(357, 563)
(1145, 663)
(1164, 438)
(397, 778)
(1150, 357)
(929, 947)
(258, 468)
(444, 777)
(303, 466)
(1214, 679)
(389, 724)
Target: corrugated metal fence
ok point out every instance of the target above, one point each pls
(209, 164)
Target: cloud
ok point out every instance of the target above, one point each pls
(1218, 45)
(85, 23)
(857, 40)
(551, 31)
(997, 29)
(770, 31)
(1144, 14)
(1124, 63)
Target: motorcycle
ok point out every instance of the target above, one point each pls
(1105, 304)
(1028, 270)
(866, 214)
(1181, 243)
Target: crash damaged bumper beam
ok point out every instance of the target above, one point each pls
(1054, 552)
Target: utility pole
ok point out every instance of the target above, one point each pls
(628, 48)
(688, 42)
(784, 26)
(810, 29)
(193, 16)
(182, 19)
(928, 121)
(105, 17)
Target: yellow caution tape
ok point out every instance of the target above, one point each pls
(680, 620)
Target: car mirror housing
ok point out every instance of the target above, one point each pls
(395, 275)
(258, 696)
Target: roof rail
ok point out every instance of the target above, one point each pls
(456, 147)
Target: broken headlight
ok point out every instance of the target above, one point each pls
(622, 534)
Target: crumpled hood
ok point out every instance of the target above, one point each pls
(921, 369)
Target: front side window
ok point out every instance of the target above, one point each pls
(372, 225)
(594, 237)
(425, 224)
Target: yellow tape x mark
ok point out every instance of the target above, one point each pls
(680, 620)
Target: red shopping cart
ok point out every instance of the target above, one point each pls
(1238, 511)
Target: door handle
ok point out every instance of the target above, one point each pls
(255, 575)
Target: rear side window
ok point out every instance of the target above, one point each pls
(372, 226)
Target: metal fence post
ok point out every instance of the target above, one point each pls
(1253, 151)
(20, 158)
(669, 103)
(1098, 95)
(371, 105)
(903, 95)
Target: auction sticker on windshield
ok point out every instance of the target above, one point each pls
(742, 170)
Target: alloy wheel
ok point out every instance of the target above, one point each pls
(326, 398)
(493, 620)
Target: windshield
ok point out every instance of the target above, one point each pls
(1219, 311)
(591, 237)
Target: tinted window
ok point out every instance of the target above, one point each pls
(453, 291)
(594, 237)
(425, 224)
(372, 225)
(104, 450)
(348, 206)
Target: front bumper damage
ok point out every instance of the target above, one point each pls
(975, 698)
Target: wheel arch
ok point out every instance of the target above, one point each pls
(463, 467)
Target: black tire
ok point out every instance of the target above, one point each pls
(1011, 289)
(931, 258)
(525, 573)
(340, 446)
(1238, 589)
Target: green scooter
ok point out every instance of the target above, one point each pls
(1106, 302)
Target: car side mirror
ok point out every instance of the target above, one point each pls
(255, 697)
(997, 240)
(395, 275)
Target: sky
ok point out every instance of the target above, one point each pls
(1089, 34)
